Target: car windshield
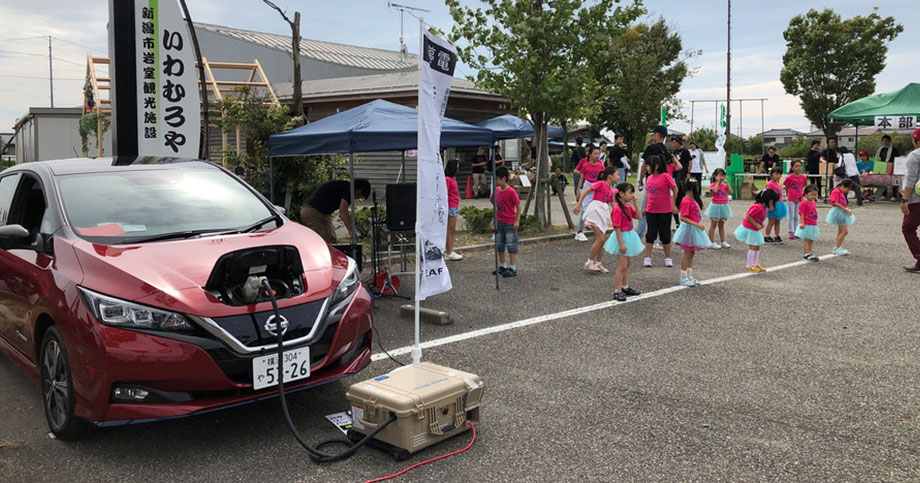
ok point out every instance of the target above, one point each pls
(132, 206)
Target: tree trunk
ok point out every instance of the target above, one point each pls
(298, 82)
(565, 146)
(539, 122)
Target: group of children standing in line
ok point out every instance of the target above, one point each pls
(610, 204)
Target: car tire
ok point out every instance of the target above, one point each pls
(57, 388)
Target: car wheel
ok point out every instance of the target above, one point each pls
(57, 388)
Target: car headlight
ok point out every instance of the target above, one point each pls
(349, 283)
(121, 313)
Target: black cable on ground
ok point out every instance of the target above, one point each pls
(315, 454)
(380, 345)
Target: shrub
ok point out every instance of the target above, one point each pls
(477, 220)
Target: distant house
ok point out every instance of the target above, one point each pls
(7, 149)
(845, 137)
(780, 138)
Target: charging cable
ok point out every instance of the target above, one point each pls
(315, 454)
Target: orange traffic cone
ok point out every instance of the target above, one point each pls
(469, 188)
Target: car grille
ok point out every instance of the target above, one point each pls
(249, 329)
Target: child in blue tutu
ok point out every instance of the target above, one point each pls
(840, 215)
(718, 210)
(624, 242)
(690, 235)
(779, 212)
(808, 222)
(749, 231)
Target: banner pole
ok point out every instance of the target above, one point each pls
(494, 216)
(417, 348)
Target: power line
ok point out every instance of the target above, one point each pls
(22, 53)
(68, 61)
(79, 45)
(41, 78)
(23, 38)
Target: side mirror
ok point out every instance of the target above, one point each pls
(281, 210)
(14, 232)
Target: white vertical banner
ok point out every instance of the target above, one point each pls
(436, 71)
(168, 99)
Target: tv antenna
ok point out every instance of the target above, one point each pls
(402, 11)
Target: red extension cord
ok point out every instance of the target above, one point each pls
(394, 475)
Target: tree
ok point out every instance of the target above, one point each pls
(830, 62)
(640, 72)
(796, 149)
(535, 55)
(295, 54)
(705, 138)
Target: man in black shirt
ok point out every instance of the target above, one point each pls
(828, 157)
(769, 161)
(316, 212)
(655, 148)
(682, 156)
(813, 163)
(577, 155)
(499, 160)
(617, 156)
(480, 186)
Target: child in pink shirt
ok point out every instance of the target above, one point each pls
(690, 235)
(749, 230)
(718, 210)
(453, 208)
(840, 215)
(597, 215)
(808, 225)
(794, 184)
(779, 211)
(660, 196)
(508, 214)
(624, 242)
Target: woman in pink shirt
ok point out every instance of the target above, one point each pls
(840, 215)
(624, 242)
(660, 196)
(808, 224)
(749, 230)
(453, 208)
(795, 184)
(691, 235)
(597, 214)
(779, 211)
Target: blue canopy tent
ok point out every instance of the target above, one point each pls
(509, 126)
(376, 126)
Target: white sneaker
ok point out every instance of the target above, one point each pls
(647, 262)
(591, 266)
(601, 268)
(725, 244)
(715, 246)
(581, 237)
(454, 256)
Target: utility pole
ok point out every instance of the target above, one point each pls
(50, 72)
(728, 76)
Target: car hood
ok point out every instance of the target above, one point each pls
(180, 268)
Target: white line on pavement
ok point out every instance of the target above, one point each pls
(572, 312)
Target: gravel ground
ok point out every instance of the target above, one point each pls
(808, 373)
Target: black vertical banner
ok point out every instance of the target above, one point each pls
(122, 72)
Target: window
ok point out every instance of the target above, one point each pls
(29, 206)
(7, 188)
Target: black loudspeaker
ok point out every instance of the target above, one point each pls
(401, 206)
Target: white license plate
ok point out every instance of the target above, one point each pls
(265, 368)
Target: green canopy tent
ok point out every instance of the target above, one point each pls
(902, 102)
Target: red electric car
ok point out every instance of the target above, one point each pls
(130, 290)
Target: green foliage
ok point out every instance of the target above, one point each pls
(532, 52)
(477, 220)
(88, 126)
(705, 138)
(874, 142)
(259, 120)
(797, 148)
(830, 62)
(641, 71)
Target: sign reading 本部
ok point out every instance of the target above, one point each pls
(896, 122)
(168, 100)
(436, 72)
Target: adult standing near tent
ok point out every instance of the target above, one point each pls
(480, 185)
(656, 147)
(910, 203)
(848, 162)
(697, 163)
(828, 157)
(813, 163)
(316, 212)
(683, 158)
(769, 161)
(618, 157)
(886, 154)
(578, 153)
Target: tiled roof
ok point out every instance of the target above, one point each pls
(783, 132)
(348, 55)
(389, 83)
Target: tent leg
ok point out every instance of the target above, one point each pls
(351, 186)
(494, 221)
(271, 179)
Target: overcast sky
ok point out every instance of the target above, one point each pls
(757, 45)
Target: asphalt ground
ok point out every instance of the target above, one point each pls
(806, 373)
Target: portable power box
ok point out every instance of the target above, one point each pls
(431, 403)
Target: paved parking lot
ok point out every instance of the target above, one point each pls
(806, 373)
